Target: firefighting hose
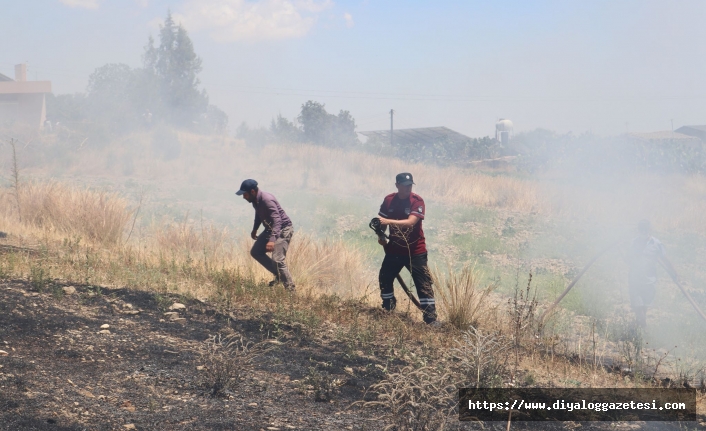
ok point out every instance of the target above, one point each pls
(377, 227)
(593, 260)
(575, 280)
(675, 279)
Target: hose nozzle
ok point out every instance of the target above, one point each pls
(377, 227)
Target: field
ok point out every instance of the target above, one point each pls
(124, 220)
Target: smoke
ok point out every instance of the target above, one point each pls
(548, 211)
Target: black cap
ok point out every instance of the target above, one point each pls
(246, 186)
(404, 179)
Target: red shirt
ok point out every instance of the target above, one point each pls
(404, 241)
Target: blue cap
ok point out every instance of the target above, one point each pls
(246, 186)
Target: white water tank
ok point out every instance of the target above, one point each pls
(503, 130)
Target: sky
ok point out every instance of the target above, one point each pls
(604, 67)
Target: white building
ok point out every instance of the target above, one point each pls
(23, 101)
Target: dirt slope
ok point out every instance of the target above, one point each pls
(64, 372)
(61, 373)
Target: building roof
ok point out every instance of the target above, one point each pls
(697, 131)
(699, 128)
(25, 87)
(426, 135)
(666, 135)
(5, 78)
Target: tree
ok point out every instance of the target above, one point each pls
(320, 127)
(343, 129)
(215, 119)
(285, 130)
(109, 95)
(119, 98)
(66, 107)
(315, 122)
(175, 66)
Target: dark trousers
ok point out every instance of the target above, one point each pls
(417, 265)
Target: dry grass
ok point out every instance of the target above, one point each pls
(670, 202)
(327, 266)
(184, 257)
(227, 360)
(170, 260)
(482, 358)
(211, 161)
(328, 170)
(318, 266)
(464, 303)
(188, 239)
(53, 207)
(416, 399)
(184, 254)
(675, 201)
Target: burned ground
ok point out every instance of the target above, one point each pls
(62, 373)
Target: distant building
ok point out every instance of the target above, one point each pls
(23, 101)
(665, 137)
(695, 131)
(424, 136)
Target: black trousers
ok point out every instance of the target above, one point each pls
(417, 265)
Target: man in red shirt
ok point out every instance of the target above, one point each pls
(404, 212)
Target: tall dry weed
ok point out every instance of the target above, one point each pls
(227, 360)
(330, 170)
(211, 161)
(327, 266)
(464, 302)
(481, 358)
(669, 201)
(96, 216)
(318, 266)
(190, 239)
(416, 399)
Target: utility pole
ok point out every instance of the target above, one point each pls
(392, 112)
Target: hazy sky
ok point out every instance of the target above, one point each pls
(601, 66)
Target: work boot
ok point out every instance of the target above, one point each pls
(389, 304)
(291, 288)
(434, 324)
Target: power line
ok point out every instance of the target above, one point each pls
(365, 95)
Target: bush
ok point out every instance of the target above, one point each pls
(322, 384)
(462, 300)
(481, 358)
(226, 360)
(422, 399)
